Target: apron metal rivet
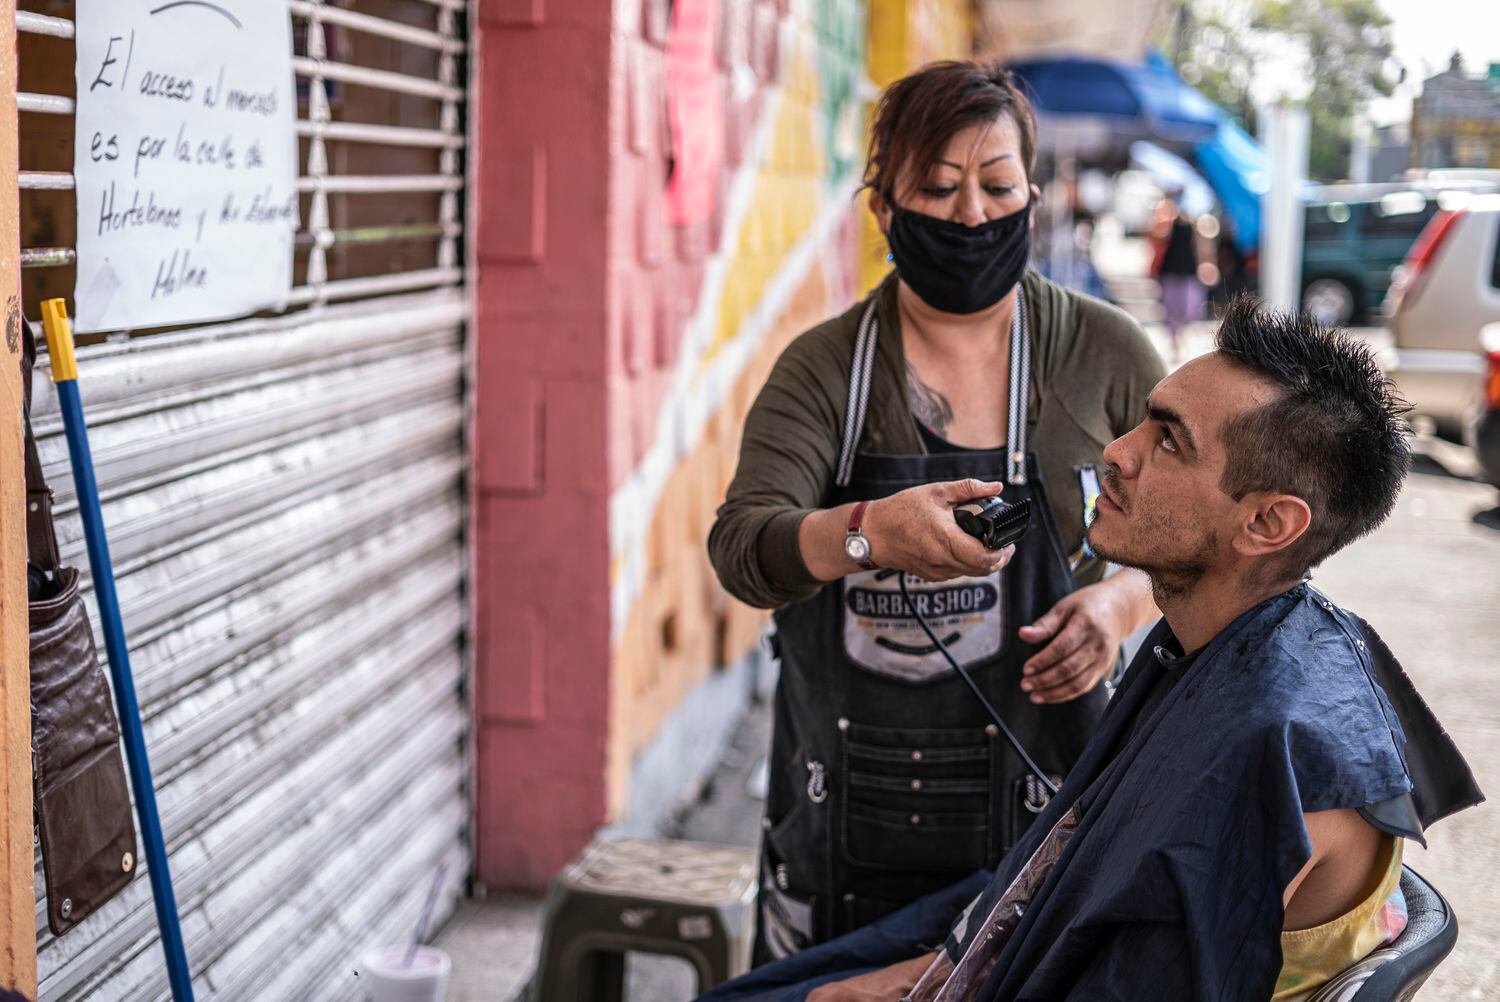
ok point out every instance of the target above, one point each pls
(916, 756)
(843, 723)
(848, 899)
(765, 824)
(66, 907)
(916, 784)
(127, 862)
(991, 730)
(916, 819)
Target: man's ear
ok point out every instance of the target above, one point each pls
(1276, 522)
(881, 209)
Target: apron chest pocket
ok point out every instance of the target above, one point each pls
(918, 799)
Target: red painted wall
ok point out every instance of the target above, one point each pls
(540, 581)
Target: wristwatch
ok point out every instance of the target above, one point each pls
(856, 544)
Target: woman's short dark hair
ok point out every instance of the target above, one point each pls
(1335, 435)
(921, 112)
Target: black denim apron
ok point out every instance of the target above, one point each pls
(888, 781)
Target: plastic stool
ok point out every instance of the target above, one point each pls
(693, 900)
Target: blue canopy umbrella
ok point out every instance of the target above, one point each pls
(1100, 107)
(1237, 167)
(1128, 101)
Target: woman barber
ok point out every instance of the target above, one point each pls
(963, 375)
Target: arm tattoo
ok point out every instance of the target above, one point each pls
(928, 405)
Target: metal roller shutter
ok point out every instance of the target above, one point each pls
(286, 507)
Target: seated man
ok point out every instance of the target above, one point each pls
(1234, 828)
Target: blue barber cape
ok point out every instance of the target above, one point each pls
(1192, 827)
(1191, 820)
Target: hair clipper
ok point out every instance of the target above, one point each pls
(994, 522)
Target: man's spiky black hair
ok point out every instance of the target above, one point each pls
(1335, 436)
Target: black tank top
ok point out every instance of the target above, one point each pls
(1179, 258)
(938, 445)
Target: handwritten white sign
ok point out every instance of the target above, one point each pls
(185, 161)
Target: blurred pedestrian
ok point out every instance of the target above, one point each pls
(1183, 293)
(962, 375)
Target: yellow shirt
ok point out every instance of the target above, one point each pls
(1312, 957)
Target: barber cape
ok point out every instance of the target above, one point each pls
(1164, 878)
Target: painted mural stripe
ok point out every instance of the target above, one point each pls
(635, 501)
(694, 396)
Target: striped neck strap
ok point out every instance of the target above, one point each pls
(862, 372)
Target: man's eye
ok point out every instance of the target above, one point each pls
(1167, 441)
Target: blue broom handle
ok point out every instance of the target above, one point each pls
(65, 374)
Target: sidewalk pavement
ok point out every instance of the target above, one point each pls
(1429, 582)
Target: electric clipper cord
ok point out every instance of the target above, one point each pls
(996, 524)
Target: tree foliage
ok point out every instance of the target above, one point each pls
(1348, 48)
(1213, 54)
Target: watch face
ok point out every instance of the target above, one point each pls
(858, 548)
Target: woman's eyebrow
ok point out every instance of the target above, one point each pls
(987, 163)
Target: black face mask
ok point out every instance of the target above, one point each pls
(957, 268)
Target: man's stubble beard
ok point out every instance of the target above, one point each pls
(1170, 579)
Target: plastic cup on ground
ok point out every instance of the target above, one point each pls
(388, 979)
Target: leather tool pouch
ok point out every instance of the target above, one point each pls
(83, 808)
